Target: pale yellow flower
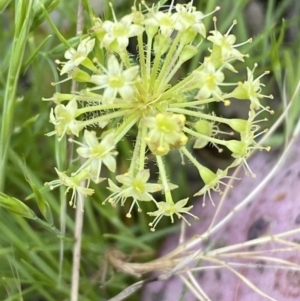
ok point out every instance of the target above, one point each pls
(76, 57)
(167, 209)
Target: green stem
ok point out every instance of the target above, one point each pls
(164, 179)
(104, 107)
(49, 227)
(208, 138)
(125, 59)
(191, 157)
(199, 115)
(104, 117)
(23, 17)
(188, 81)
(154, 70)
(167, 63)
(136, 153)
(149, 52)
(142, 60)
(125, 127)
(171, 70)
(191, 103)
(143, 146)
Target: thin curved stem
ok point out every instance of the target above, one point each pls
(79, 209)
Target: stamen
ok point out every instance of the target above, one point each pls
(62, 81)
(248, 168)
(212, 202)
(243, 43)
(230, 28)
(171, 7)
(208, 14)
(113, 12)
(71, 140)
(215, 23)
(181, 216)
(203, 201)
(155, 222)
(262, 132)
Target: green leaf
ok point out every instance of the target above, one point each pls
(34, 54)
(3, 5)
(40, 7)
(41, 202)
(16, 206)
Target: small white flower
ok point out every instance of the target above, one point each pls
(206, 129)
(188, 17)
(209, 78)
(97, 153)
(135, 187)
(116, 80)
(165, 132)
(165, 21)
(120, 32)
(72, 183)
(212, 181)
(76, 57)
(251, 89)
(64, 120)
(167, 209)
(226, 43)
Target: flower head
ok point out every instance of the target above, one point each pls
(146, 96)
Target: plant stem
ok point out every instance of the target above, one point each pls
(79, 209)
(23, 17)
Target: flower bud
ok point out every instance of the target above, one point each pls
(188, 36)
(16, 206)
(161, 44)
(187, 53)
(151, 30)
(204, 127)
(80, 76)
(238, 148)
(239, 125)
(207, 175)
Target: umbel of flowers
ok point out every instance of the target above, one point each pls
(123, 90)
